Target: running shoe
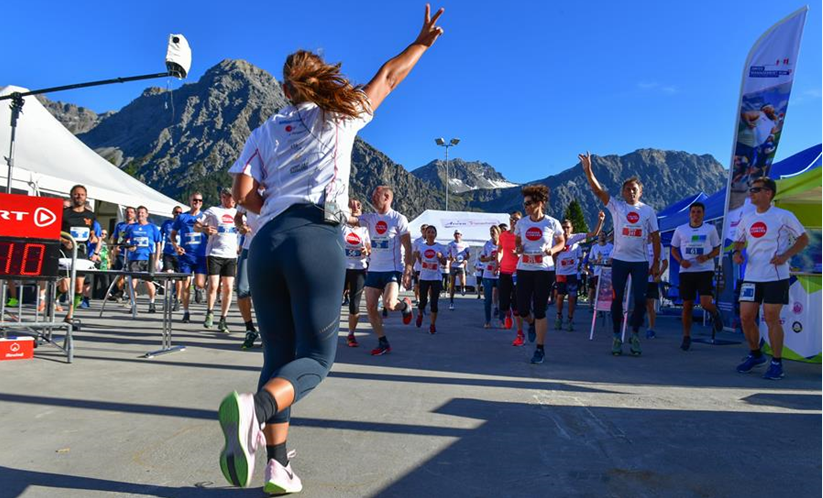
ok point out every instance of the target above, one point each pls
(281, 480)
(381, 349)
(538, 356)
(775, 371)
(84, 303)
(451, 306)
(432, 329)
(222, 326)
(385, 312)
(419, 321)
(478, 296)
(345, 302)
(509, 321)
(242, 433)
(558, 323)
(152, 308)
(13, 301)
(570, 328)
(186, 317)
(650, 334)
(634, 344)
(686, 344)
(487, 325)
(617, 346)
(407, 311)
(209, 321)
(198, 295)
(717, 321)
(176, 305)
(351, 341)
(532, 332)
(519, 340)
(750, 363)
(251, 336)
(463, 291)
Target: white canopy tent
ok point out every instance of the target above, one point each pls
(49, 160)
(474, 226)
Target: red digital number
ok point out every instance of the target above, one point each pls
(6, 249)
(32, 261)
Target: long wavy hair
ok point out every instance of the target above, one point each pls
(309, 79)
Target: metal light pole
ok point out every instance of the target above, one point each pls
(442, 143)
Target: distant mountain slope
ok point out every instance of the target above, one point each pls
(463, 175)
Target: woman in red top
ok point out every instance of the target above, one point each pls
(508, 279)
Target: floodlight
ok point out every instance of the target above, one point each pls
(455, 141)
(439, 141)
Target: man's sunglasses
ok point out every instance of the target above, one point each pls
(197, 200)
(754, 190)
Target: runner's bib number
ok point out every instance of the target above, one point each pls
(227, 229)
(747, 292)
(141, 241)
(80, 234)
(532, 259)
(429, 266)
(354, 253)
(632, 232)
(694, 251)
(380, 244)
(193, 239)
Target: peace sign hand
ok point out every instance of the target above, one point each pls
(586, 161)
(430, 33)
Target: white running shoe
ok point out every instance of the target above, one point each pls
(281, 480)
(243, 435)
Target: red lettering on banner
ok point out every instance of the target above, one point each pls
(758, 230)
(30, 217)
(381, 227)
(534, 234)
(353, 239)
(633, 217)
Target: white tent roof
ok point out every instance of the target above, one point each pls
(48, 158)
(474, 226)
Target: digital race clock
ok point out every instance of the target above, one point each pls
(29, 258)
(29, 236)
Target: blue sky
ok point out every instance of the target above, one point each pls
(525, 85)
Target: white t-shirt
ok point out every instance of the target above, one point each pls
(767, 235)
(537, 237)
(223, 244)
(385, 231)
(430, 256)
(459, 252)
(301, 155)
(415, 247)
(355, 241)
(693, 242)
(491, 268)
(632, 226)
(568, 259)
(604, 251)
(252, 222)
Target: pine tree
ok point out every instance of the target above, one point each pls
(575, 213)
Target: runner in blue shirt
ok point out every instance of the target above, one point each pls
(117, 237)
(191, 251)
(144, 238)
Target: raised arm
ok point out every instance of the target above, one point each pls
(600, 217)
(396, 69)
(599, 191)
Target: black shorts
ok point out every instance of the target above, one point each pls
(225, 267)
(567, 285)
(695, 283)
(653, 290)
(142, 266)
(765, 292)
(170, 262)
(416, 277)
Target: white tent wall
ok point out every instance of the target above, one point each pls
(474, 226)
(49, 160)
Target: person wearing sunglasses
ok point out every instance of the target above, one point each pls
(190, 246)
(634, 223)
(301, 156)
(538, 238)
(170, 255)
(771, 237)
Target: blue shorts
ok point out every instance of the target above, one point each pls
(189, 265)
(380, 279)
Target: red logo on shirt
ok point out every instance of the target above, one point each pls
(289, 128)
(534, 233)
(429, 254)
(758, 229)
(633, 217)
(381, 227)
(353, 239)
(227, 218)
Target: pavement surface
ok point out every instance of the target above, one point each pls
(459, 413)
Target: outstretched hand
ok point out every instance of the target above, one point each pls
(585, 161)
(430, 32)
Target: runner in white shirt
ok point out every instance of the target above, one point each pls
(600, 255)
(653, 290)
(491, 273)
(301, 157)
(773, 236)
(430, 255)
(416, 267)
(221, 256)
(634, 222)
(388, 231)
(357, 245)
(246, 223)
(694, 246)
(568, 263)
(537, 238)
(459, 259)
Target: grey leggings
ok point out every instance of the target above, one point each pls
(296, 271)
